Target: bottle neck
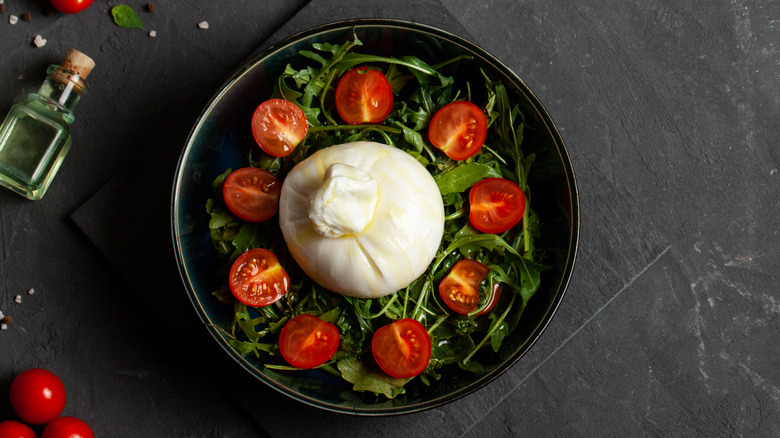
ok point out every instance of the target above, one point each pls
(61, 90)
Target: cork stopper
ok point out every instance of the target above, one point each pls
(75, 68)
(78, 63)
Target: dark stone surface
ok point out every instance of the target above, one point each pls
(671, 325)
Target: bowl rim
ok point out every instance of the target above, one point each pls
(484, 56)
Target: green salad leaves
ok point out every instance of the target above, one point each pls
(469, 343)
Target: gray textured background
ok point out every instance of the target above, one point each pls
(671, 326)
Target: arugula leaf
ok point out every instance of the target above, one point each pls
(461, 178)
(251, 236)
(367, 378)
(501, 332)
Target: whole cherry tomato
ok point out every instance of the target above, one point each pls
(67, 427)
(496, 205)
(15, 429)
(364, 95)
(252, 194)
(402, 349)
(37, 396)
(307, 341)
(70, 6)
(278, 126)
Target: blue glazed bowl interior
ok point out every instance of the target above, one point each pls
(219, 137)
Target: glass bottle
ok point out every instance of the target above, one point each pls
(35, 136)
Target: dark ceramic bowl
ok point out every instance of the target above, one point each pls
(216, 144)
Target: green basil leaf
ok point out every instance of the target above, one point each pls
(125, 16)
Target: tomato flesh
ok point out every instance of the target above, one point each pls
(67, 427)
(15, 429)
(402, 349)
(278, 125)
(252, 194)
(308, 342)
(458, 129)
(496, 205)
(71, 6)
(460, 288)
(257, 279)
(364, 95)
(37, 396)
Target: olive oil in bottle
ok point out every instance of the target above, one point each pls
(35, 136)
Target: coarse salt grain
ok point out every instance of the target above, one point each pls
(13, 19)
(1, 314)
(18, 299)
(153, 33)
(39, 41)
(3, 326)
(31, 291)
(203, 25)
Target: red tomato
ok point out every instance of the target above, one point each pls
(494, 297)
(15, 429)
(459, 129)
(70, 6)
(252, 194)
(257, 279)
(37, 396)
(278, 126)
(363, 95)
(67, 427)
(496, 205)
(402, 349)
(460, 288)
(307, 341)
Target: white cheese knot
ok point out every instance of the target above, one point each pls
(344, 203)
(362, 219)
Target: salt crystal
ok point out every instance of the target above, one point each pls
(39, 41)
(18, 299)
(31, 291)
(3, 326)
(1, 314)
(13, 19)
(203, 25)
(153, 33)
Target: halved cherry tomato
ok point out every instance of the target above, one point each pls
(495, 205)
(252, 194)
(67, 427)
(492, 300)
(459, 129)
(15, 429)
(402, 349)
(71, 6)
(363, 95)
(460, 288)
(278, 125)
(307, 341)
(257, 279)
(37, 396)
